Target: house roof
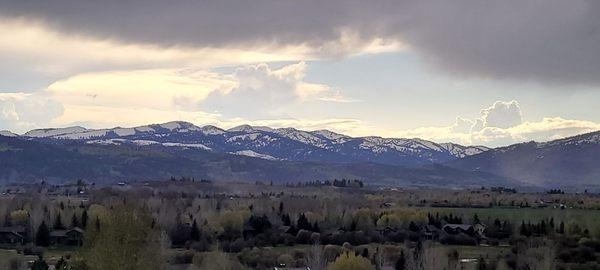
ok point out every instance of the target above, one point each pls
(63, 233)
(464, 227)
(13, 233)
(77, 229)
(16, 229)
(284, 228)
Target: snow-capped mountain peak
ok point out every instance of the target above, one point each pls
(249, 128)
(330, 135)
(7, 133)
(301, 136)
(241, 128)
(212, 130)
(179, 125)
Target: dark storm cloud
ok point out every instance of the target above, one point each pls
(552, 41)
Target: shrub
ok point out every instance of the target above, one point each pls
(200, 246)
(303, 237)
(349, 261)
(331, 252)
(285, 260)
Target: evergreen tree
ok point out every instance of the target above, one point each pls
(413, 227)
(543, 229)
(74, 221)
(303, 223)
(561, 228)
(195, 232)
(39, 264)
(286, 220)
(97, 224)
(401, 262)
(524, 230)
(58, 225)
(84, 218)
(316, 227)
(259, 223)
(42, 237)
(365, 253)
(280, 208)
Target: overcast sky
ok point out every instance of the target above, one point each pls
(472, 72)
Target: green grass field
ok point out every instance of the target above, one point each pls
(587, 218)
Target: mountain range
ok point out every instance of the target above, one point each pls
(254, 153)
(274, 144)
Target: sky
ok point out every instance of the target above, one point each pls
(489, 73)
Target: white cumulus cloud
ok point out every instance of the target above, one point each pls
(502, 124)
(20, 111)
(262, 92)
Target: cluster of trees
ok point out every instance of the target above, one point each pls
(503, 190)
(547, 227)
(499, 229)
(437, 220)
(323, 227)
(188, 179)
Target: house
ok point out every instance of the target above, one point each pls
(71, 237)
(286, 229)
(463, 234)
(12, 235)
(430, 232)
(459, 228)
(386, 231)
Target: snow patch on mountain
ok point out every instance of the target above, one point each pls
(144, 142)
(588, 138)
(7, 133)
(244, 137)
(212, 130)
(187, 145)
(250, 153)
(52, 132)
(301, 136)
(124, 131)
(241, 128)
(170, 125)
(463, 151)
(144, 129)
(329, 135)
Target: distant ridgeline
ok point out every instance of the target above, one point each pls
(287, 155)
(335, 183)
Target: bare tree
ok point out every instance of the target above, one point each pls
(316, 260)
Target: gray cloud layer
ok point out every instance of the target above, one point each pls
(552, 41)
